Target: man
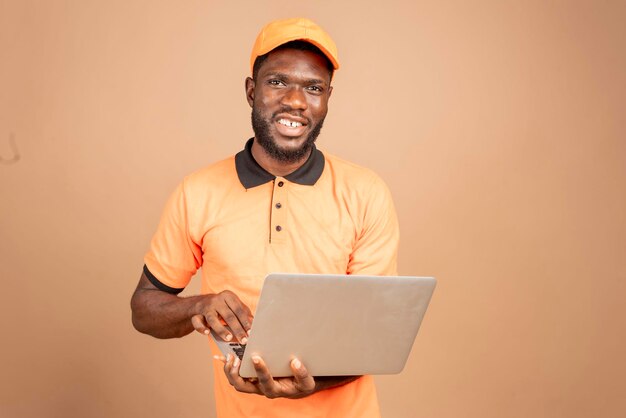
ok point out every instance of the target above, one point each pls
(280, 205)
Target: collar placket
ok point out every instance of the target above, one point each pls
(279, 228)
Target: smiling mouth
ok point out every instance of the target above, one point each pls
(291, 127)
(289, 123)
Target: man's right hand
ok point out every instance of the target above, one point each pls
(165, 315)
(223, 308)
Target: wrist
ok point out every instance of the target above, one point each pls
(197, 305)
(329, 382)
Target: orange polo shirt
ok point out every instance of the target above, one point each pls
(239, 223)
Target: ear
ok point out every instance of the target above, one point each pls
(250, 90)
(330, 91)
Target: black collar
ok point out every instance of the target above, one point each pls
(251, 174)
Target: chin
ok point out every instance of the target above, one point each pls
(290, 145)
(288, 153)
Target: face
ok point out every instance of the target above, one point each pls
(289, 101)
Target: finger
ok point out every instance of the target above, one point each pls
(228, 365)
(303, 381)
(243, 313)
(267, 384)
(233, 322)
(199, 324)
(217, 326)
(219, 358)
(231, 369)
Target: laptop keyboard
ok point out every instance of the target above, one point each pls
(239, 349)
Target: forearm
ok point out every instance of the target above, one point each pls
(163, 315)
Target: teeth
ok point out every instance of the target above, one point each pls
(289, 123)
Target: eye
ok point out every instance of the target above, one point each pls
(275, 82)
(315, 89)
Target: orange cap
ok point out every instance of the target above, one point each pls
(279, 32)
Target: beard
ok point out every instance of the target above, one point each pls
(261, 127)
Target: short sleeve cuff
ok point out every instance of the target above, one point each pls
(160, 285)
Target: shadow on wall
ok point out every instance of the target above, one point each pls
(16, 153)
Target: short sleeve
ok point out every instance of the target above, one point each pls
(173, 257)
(376, 249)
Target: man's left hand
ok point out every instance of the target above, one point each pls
(300, 385)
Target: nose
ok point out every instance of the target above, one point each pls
(294, 98)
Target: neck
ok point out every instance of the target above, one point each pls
(271, 165)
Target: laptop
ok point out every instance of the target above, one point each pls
(337, 325)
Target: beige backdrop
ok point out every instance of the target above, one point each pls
(498, 125)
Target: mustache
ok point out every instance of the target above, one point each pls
(288, 110)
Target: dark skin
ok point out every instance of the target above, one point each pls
(291, 85)
(291, 93)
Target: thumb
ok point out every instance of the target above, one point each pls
(304, 382)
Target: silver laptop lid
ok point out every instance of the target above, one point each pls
(337, 324)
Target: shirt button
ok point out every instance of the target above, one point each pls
(280, 184)
(279, 228)
(278, 205)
